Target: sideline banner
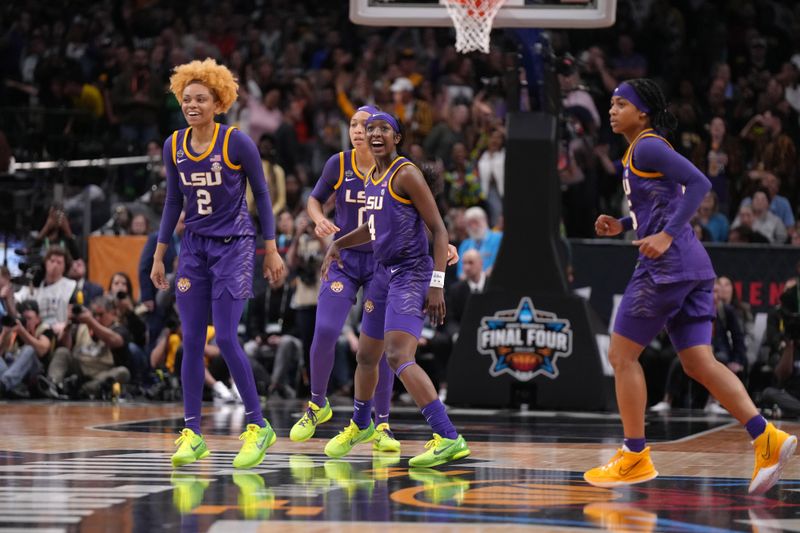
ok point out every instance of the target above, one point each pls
(109, 254)
(758, 271)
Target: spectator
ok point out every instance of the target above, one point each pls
(85, 290)
(746, 221)
(711, 219)
(462, 187)
(97, 355)
(23, 348)
(415, 114)
(473, 282)
(139, 225)
(720, 159)
(481, 238)
(778, 205)
(491, 171)
(774, 150)
(627, 63)
(445, 134)
(136, 96)
(57, 232)
(54, 292)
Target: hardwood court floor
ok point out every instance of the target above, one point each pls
(102, 467)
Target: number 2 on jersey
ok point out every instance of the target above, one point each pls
(203, 202)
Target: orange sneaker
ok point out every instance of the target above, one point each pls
(625, 468)
(773, 449)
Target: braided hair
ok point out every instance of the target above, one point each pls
(651, 94)
(429, 172)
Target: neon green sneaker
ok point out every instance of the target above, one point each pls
(256, 441)
(187, 491)
(341, 444)
(255, 500)
(440, 451)
(191, 447)
(440, 486)
(383, 439)
(314, 416)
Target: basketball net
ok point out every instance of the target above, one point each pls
(473, 21)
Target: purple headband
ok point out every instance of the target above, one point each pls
(382, 115)
(626, 91)
(371, 109)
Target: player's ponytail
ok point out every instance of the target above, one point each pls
(653, 97)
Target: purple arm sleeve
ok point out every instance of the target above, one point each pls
(243, 150)
(326, 183)
(174, 202)
(654, 155)
(627, 223)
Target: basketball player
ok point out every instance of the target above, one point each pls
(671, 286)
(207, 165)
(406, 283)
(343, 175)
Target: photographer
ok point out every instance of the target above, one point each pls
(783, 341)
(54, 292)
(304, 258)
(57, 232)
(99, 353)
(24, 343)
(120, 288)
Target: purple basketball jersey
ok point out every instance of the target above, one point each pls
(653, 199)
(213, 187)
(397, 230)
(342, 177)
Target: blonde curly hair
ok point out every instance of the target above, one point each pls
(219, 80)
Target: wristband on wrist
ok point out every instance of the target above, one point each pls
(437, 279)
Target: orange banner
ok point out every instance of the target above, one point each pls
(109, 254)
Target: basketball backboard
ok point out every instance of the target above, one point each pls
(514, 14)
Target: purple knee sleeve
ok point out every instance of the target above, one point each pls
(403, 367)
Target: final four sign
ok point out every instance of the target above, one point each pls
(524, 342)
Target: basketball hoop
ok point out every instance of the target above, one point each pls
(473, 21)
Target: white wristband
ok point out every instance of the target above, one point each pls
(437, 279)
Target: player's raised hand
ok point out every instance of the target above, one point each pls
(274, 268)
(330, 256)
(158, 275)
(606, 226)
(434, 306)
(325, 227)
(452, 255)
(653, 246)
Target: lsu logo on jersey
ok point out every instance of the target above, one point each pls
(369, 306)
(524, 342)
(359, 199)
(374, 203)
(203, 179)
(183, 284)
(337, 286)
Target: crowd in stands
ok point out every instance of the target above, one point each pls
(97, 78)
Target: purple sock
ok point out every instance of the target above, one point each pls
(226, 312)
(756, 426)
(362, 411)
(436, 415)
(383, 392)
(194, 321)
(331, 314)
(635, 445)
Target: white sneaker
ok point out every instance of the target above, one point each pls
(221, 393)
(235, 393)
(661, 407)
(714, 408)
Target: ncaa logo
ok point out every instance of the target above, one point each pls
(184, 284)
(369, 306)
(524, 342)
(337, 286)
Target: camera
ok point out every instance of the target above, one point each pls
(789, 312)
(7, 321)
(76, 309)
(121, 295)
